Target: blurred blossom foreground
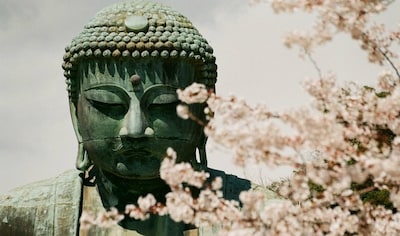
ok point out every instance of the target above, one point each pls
(344, 147)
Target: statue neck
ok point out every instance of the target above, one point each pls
(118, 192)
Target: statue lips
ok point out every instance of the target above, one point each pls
(136, 163)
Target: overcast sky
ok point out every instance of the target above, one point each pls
(37, 139)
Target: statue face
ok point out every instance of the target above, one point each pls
(126, 114)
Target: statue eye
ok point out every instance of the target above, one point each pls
(108, 102)
(104, 106)
(171, 106)
(159, 95)
(164, 99)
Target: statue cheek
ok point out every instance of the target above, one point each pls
(166, 124)
(101, 152)
(166, 129)
(94, 125)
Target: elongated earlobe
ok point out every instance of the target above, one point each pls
(202, 151)
(82, 160)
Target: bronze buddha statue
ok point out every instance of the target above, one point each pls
(122, 73)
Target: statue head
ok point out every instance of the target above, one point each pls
(122, 73)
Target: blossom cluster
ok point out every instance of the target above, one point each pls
(103, 219)
(350, 17)
(350, 185)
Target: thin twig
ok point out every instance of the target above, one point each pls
(197, 120)
(390, 62)
(318, 69)
(315, 64)
(366, 190)
(375, 45)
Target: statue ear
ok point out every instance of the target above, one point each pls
(82, 160)
(202, 150)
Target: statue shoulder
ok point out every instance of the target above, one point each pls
(232, 185)
(48, 207)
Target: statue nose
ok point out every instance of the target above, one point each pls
(135, 124)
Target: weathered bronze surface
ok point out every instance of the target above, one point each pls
(122, 73)
(49, 207)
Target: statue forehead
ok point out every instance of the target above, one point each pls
(178, 74)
